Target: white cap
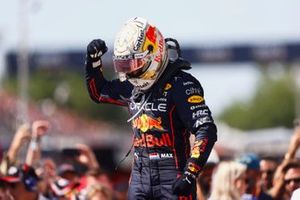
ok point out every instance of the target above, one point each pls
(296, 194)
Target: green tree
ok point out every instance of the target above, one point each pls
(272, 105)
(67, 90)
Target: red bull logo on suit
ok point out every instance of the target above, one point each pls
(145, 123)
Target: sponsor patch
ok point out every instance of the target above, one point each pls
(188, 83)
(196, 106)
(198, 148)
(200, 113)
(195, 99)
(161, 49)
(139, 41)
(145, 123)
(148, 140)
(193, 90)
(154, 156)
(162, 107)
(150, 39)
(151, 34)
(194, 168)
(202, 121)
(166, 155)
(162, 99)
(168, 86)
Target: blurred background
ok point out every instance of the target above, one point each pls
(244, 53)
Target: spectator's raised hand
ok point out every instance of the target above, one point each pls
(295, 140)
(278, 180)
(87, 156)
(39, 128)
(294, 144)
(21, 136)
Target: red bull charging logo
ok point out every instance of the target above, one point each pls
(145, 123)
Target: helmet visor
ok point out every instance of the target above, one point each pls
(131, 63)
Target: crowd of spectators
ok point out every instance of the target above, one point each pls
(253, 177)
(38, 178)
(246, 177)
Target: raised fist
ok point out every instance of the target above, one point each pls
(95, 50)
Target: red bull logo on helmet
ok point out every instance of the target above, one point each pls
(145, 123)
(150, 39)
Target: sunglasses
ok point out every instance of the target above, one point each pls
(295, 180)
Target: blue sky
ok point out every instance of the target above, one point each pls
(69, 23)
(66, 24)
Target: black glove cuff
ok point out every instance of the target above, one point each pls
(190, 175)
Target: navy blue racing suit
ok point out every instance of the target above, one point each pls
(162, 120)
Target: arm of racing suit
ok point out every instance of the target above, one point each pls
(196, 116)
(104, 91)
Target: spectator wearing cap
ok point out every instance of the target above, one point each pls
(83, 155)
(68, 172)
(253, 190)
(22, 183)
(296, 195)
(64, 189)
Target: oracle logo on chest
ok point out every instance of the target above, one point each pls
(161, 107)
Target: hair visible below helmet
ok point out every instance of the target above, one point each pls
(140, 54)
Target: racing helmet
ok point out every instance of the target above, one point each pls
(140, 53)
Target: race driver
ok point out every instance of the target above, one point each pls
(166, 105)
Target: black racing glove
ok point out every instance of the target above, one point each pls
(185, 184)
(95, 50)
